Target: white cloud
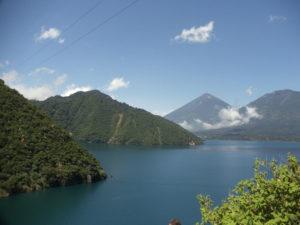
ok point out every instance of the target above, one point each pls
(71, 89)
(273, 18)
(117, 83)
(249, 91)
(43, 88)
(229, 117)
(10, 77)
(187, 125)
(37, 92)
(114, 97)
(4, 64)
(201, 34)
(42, 70)
(233, 117)
(60, 80)
(159, 113)
(61, 40)
(51, 34)
(40, 91)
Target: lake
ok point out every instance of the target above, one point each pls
(146, 186)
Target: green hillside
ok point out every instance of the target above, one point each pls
(96, 117)
(35, 153)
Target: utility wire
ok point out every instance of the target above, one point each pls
(82, 16)
(95, 28)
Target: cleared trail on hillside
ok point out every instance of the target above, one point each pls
(113, 137)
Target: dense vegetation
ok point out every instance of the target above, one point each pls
(34, 152)
(271, 197)
(96, 117)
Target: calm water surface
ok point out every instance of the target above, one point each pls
(146, 186)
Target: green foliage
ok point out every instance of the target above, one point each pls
(271, 197)
(34, 152)
(96, 117)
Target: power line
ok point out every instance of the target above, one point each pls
(95, 28)
(82, 16)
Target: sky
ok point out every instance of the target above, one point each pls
(157, 55)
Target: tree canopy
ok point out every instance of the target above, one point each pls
(35, 153)
(96, 117)
(271, 197)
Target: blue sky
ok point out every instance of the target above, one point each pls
(236, 50)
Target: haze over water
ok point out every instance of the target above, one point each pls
(146, 186)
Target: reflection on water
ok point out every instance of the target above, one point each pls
(146, 186)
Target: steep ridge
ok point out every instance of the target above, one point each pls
(95, 117)
(35, 153)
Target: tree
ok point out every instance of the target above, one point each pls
(271, 197)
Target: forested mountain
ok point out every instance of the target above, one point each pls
(96, 117)
(280, 119)
(204, 109)
(35, 153)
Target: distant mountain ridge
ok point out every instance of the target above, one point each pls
(205, 108)
(274, 116)
(280, 111)
(96, 117)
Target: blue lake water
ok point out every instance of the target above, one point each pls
(146, 186)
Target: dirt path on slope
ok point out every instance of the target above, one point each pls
(113, 137)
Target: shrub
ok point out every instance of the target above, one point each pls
(271, 197)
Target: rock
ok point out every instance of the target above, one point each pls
(89, 178)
